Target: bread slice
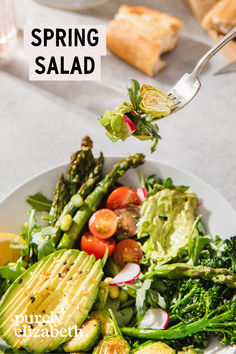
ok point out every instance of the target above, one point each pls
(221, 18)
(140, 35)
(200, 7)
(219, 21)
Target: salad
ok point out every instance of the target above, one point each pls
(138, 117)
(104, 268)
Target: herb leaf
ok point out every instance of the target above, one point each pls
(148, 182)
(197, 243)
(168, 183)
(154, 131)
(30, 229)
(141, 297)
(122, 316)
(39, 202)
(153, 184)
(39, 240)
(134, 94)
(12, 273)
(43, 243)
(27, 235)
(8, 273)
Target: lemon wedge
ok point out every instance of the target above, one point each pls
(8, 254)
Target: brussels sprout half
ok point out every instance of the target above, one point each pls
(155, 102)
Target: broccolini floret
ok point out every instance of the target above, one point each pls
(225, 258)
(197, 310)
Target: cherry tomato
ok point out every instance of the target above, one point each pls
(97, 246)
(127, 251)
(122, 197)
(103, 223)
(127, 220)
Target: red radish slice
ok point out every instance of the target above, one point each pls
(156, 318)
(142, 193)
(129, 124)
(127, 275)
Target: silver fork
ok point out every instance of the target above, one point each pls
(188, 86)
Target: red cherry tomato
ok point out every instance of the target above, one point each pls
(103, 223)
(127, 220)
(97, 246)
(127, 251)
(122, 197)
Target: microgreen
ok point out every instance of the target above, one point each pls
(39, 202)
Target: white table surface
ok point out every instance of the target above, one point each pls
(41, 123)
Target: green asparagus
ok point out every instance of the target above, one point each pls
(83, 191)
(60, 199)
(181, 270)
(82, 162)
(93, 200)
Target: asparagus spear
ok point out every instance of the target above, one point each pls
(93, 200)
(181, 270)
(82, 162)
(80, 166)
(93, 177)
(83, 191)
(60, 198)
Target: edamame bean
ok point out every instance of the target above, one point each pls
(65, 223)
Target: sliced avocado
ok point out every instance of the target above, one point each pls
(63, 285)
(108, 327)
(87, 337)
(102, 295)
(112, 345)
(154, 348)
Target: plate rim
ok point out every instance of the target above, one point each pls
(152, 160)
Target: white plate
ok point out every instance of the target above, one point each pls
(218, 215)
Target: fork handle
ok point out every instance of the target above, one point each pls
(203, 61)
